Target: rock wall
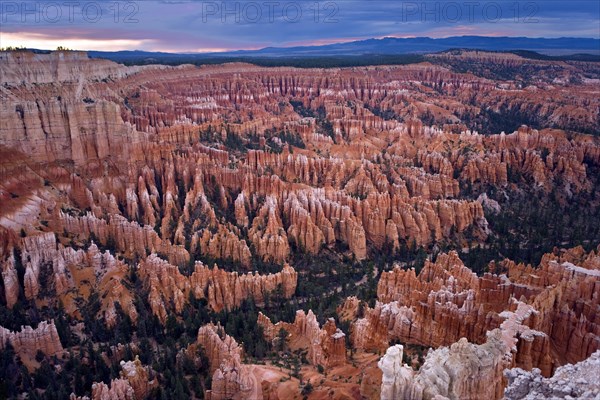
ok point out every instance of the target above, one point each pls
(132, 134)
(447, 305)
(446, 302)
(55, 272)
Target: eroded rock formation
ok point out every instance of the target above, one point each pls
(28, 340)
(446, 302)
(230, 379)
(135, 382)
(222, 289)
(579, 381)
(112, 174)
(326, 346)
(448, 305)
(464, 370)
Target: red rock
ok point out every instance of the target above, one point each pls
(326, 346)
(223, 290)
(28, 341)
(231, 378)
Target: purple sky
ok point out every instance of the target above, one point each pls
(198, 26)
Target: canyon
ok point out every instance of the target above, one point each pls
(235, 231)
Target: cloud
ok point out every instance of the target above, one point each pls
(190, 26)
(39, 41)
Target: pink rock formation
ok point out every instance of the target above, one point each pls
(447, 302)
(134, 383)
(267, 233)
(8, 272)
(28, 341)
(463, 370)
(140, 160)
(223, 290)
(231, 379)
(326, 346)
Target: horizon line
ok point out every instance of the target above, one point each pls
(291, 46)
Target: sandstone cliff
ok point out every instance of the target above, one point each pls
(111, 174)
(446, 302)
(393, 186)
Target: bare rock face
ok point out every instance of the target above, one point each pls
(70, 123)
(222, 289)
(570, 280)
(28, 341)
(447, 302)
(578, 381)
(127, 236)
(435, 308)
(138, 377)
(231, 379)
(225, 244)
(41, 257)
(463, 371)
(326, 346)
(53, 271)
(159, 166)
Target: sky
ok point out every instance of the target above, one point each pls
(211, 26)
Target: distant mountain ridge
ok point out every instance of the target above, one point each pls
(391, 46)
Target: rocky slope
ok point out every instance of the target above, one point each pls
(134, 383)
(461, 371)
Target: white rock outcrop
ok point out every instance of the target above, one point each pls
(571, 381)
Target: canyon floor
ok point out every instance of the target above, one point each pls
(424, 231)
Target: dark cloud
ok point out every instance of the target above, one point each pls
(196, 25)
